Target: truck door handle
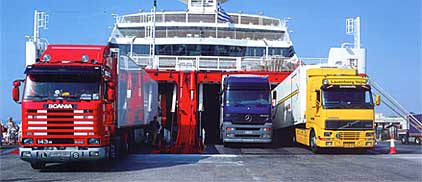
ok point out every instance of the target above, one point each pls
(312, 118)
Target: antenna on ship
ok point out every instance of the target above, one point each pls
(152, 46)
(350, 55)
(34, 44)
(203, 6)
(353, 28)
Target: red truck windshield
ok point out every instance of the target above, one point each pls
(40, 87)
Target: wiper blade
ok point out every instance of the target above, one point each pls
(71, 98)
(86, 97)
(38, 97)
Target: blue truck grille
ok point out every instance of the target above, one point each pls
(248, 119)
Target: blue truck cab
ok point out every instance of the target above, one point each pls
(245, 115)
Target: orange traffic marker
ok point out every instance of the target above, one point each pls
(392, 146)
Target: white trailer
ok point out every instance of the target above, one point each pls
(290, 100)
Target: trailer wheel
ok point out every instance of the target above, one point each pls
(312, 143)
(418, 140)
(37, 165)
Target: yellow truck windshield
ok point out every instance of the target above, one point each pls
(347, 98)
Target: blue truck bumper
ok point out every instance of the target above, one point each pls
(240, 133)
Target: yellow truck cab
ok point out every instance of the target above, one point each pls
(327, 107)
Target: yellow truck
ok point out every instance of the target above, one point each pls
(325, 107)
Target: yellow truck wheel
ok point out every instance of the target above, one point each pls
(312, 143)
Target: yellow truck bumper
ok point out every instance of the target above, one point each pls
(346, 139)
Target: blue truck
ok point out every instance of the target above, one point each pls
(245, 115)
(412, 133)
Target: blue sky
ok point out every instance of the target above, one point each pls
(391, 32)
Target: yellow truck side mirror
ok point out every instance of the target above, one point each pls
(377, 100)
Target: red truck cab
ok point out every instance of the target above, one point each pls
(68, 105)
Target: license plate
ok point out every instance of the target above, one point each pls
(248, 132)
(60, 154)
(348, 145)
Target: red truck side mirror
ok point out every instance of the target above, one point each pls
(15, 90)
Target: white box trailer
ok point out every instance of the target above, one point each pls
(290, 99)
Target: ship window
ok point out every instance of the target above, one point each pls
(141, 49)
(204, 50)
(196, 3)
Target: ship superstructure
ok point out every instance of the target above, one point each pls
(196, 39)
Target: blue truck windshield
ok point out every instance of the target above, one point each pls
(41, 87)
(246, 97)
(347, 99)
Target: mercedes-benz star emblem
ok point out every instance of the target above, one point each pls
(248, 117)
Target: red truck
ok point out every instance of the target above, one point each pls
(82, 103)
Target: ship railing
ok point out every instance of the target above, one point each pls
(187, 17)
(205, 32)
(215, 63)
(313, 61)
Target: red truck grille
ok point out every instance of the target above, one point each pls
(60, 123)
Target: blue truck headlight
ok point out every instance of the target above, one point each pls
(27, 141)
(93, 141)
(327, 134)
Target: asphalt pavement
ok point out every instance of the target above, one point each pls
(240, 163)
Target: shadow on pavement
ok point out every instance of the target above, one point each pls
(133, 162)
